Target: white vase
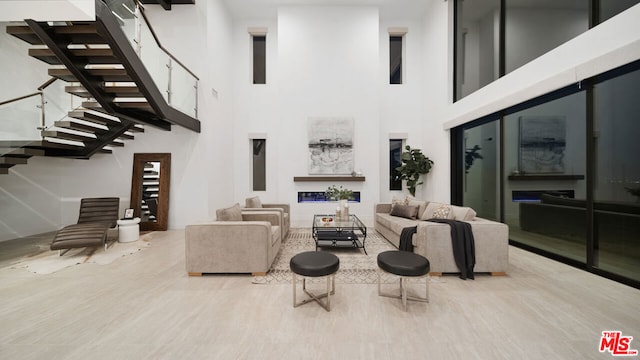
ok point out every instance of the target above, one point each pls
(344, 210)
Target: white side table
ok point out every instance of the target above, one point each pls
(128, 230)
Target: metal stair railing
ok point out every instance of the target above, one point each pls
(177, 82)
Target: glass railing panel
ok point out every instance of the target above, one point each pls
(20, 119)
(183, 90)
(176, 83)
(57, 103)
(124, 10)
(155, 60)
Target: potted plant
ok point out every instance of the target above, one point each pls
(414, 164)
(338, 193)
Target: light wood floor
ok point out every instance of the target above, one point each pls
(144, 306)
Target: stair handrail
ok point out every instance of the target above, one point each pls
(39, 92)
(20, 98)
(155, 38)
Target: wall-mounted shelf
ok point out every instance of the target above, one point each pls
(545, 177)
(328, 178)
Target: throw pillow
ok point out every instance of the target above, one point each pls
(428, 212)
(253, 202)
(421, 204)
(442, 212)
(399, 200)
(405, 211)
(463, 213)
(232, 213)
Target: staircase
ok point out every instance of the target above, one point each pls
(100, 66)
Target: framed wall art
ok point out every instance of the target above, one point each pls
(330, 145)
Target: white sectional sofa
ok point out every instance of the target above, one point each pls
(433, 240)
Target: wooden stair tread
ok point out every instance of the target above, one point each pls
(24, 33)
(85, 33)
(140, 105)
(73, 125)
(38, 144)
(21, 152)
(136, 128)
(12, 160)
(66, 136)
(94, 56)
(108, 75)
(91, 117)
(120, 91)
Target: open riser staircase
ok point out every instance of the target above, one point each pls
(101, 68)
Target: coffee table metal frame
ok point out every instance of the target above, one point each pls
(339, 233)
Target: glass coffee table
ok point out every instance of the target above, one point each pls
(327, 231)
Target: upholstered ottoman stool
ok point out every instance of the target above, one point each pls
(315, 264)
(405, 265)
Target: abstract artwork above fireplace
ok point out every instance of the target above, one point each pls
(330, 145)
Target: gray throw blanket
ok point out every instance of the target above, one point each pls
(464, 252)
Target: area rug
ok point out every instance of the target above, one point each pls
(48, 261)
(355, 266)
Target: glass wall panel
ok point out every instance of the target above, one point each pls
(533, 28)
(481, 171)
(617, 180)
(611, 8)
(545, 168)
(477, 45)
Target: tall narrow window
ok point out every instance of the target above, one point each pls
(259, 59)
(396, 49)
(259, 164)
(395, 59)
(395, 151)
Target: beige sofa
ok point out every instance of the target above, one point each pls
(246, 242)
(433, 240)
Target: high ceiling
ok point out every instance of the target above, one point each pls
(268, 8)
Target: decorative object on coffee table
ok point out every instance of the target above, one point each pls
(343, 195)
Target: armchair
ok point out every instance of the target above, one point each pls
(254, 204)
(237, 242)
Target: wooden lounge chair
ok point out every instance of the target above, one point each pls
(97, 216)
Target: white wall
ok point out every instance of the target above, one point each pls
(438, 90)
(328, 67)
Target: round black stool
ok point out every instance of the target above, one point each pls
(315, 264)
(405, 265)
